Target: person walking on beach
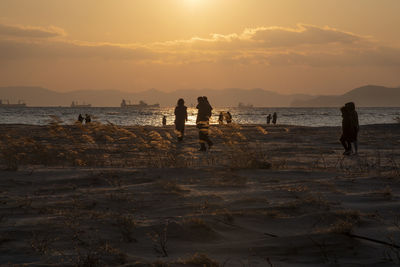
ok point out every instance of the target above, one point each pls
(203, 122)
(221, 118)
(269, 118)
(180, 118)
(344, 139)
(164, 120)
(350, 128)
(228, 117)
(354, 125)
(88, 119)
(80, 118)
(274, 118)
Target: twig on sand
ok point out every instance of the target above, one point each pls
(372, 240)
(271, 235)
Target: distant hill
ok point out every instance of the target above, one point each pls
(366, 96)
(371, 96)
(37, 96)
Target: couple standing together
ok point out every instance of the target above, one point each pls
(350, 127)
(202, 121)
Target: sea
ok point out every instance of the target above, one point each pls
(313, 117)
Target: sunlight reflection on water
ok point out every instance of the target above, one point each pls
(290, 116)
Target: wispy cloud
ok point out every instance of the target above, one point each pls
(307, 45)
(30, 31)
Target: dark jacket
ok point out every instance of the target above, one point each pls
(350, 122)
(204, 112)
(180, 115)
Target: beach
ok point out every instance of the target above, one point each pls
(108, 195)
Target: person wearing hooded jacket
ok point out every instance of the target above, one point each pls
(180, 118)
(203, 122)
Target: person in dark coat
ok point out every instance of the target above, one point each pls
(180, 118)
(164, 120)
(346, 131)
(88, 119)
(274, 118)
(203, 122)
(228, 117)
(80, 118)
(221, 118)
(269, 118)
(354, 127)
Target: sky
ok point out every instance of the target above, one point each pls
(286, 46)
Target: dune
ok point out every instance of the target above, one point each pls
(104, 195)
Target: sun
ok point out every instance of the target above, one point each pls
(192, 2)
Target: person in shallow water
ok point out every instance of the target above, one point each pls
(274, 118)
(180, 118)
(203, 122)
(269, 118)
(228, 117)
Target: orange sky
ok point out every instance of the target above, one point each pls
(288, 46)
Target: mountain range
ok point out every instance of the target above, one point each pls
(371, 96)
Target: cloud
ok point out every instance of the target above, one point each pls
(16, 50)
(270, 38)
(30, 31)
(302, 35)
(304, 45)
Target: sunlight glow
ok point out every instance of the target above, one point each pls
(192, 2)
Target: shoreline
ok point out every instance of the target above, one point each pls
(213, 125)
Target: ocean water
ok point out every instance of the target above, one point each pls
(126, 117)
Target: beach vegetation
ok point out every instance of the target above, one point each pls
(199, 259)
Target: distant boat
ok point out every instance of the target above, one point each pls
(241, 105)
(20, 104)
(76, 105)
(141, 104)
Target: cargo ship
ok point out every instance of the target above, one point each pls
(142, 104)
(75, 104)
(20, 104)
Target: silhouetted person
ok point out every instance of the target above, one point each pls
(354, 125)
(269, 118)
(346, 129)
(274, 118)
(228, 117)
(80, 118)
(221, 118)
(164, 120)
(180, 118)
(88, 119)
(203, 122)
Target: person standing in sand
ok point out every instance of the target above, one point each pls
(203, 122)
(354, 126)
(88, 119)
(80, 118)
(180, 118)
(346, 128)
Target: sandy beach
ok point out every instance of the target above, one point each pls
(104, 195)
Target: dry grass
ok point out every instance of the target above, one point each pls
(199, 260)
(108, 145)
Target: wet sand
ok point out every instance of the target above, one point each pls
(103, 195)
